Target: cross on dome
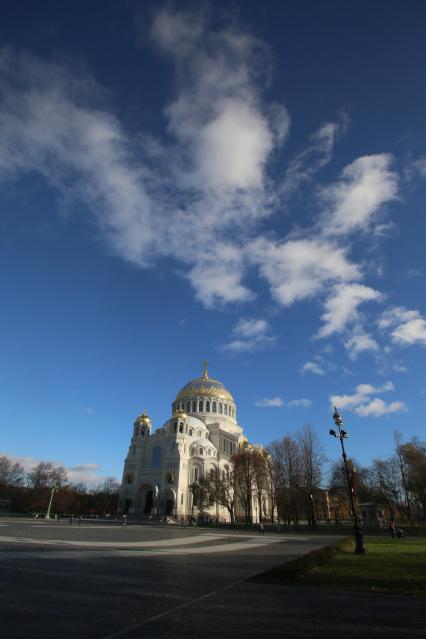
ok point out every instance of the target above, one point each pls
(205, 369)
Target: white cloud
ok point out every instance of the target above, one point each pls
(407, 327)
(377, 408)
(296, 403)
(88, 410)
(274, 402)
(312, 367)
(201, 197)
(359, 343)
(249, 335)
(364, 405)
(353, 202)
(341, 307)
(299, 269)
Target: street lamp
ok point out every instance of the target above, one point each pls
(54, 488)
(342, 434)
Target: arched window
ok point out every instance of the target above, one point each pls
(209, 452)
(207, 407)
(188, 406)
(156, 457)
(220, 409)
(201, 451)
(194, 407)
(214, 407)
(226, 409)
(211, 474)
(181, 427)
(190, 432)
(201, 406)
(170, 478)
(195, 474)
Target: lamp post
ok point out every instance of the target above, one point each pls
(342, 434)
(54, 488)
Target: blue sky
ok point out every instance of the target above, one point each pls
(237, 182)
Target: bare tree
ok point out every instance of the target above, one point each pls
(222, 489)
(312, 460)
(246, 463)
(11, 474)
(46, 475)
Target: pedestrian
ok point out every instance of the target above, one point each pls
(124, 521)
(261, 528)
(80, 519)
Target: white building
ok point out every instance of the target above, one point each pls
(201, 435)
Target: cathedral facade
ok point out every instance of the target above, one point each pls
(201, 436)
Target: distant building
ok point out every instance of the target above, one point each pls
(200, 437)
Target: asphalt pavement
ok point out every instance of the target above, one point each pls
(102, 581)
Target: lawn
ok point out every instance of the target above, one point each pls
(390, 565)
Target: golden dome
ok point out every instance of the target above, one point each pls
(180, 414)
(143, 418)
(204, 386)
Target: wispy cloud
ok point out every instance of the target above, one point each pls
(273, 402)
(86, 473)
(312, 367)
(365, 405)
(341, 306)
(354, 201)
(299, 403)
(407, 327)
(360, 342)
(249, 335)
(210, 175)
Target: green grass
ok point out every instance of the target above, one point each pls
(390, 565)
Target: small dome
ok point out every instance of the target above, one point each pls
(180, 414)
(143, 418)
(203, 442)
(204, 385)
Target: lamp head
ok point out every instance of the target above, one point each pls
(338, 419)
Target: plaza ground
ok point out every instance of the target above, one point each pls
(102, 581)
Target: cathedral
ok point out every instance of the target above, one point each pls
(162, 466)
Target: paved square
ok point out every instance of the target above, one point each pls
(103, 581)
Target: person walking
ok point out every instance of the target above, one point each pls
(80, 519)
(261, 528)
(124, 521)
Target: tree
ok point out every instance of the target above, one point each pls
(412, 461)
(286, 461)
(46, 475)
(221, 488)
(312, 459)
(386, 487)
(246, 462)
(12, 474)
